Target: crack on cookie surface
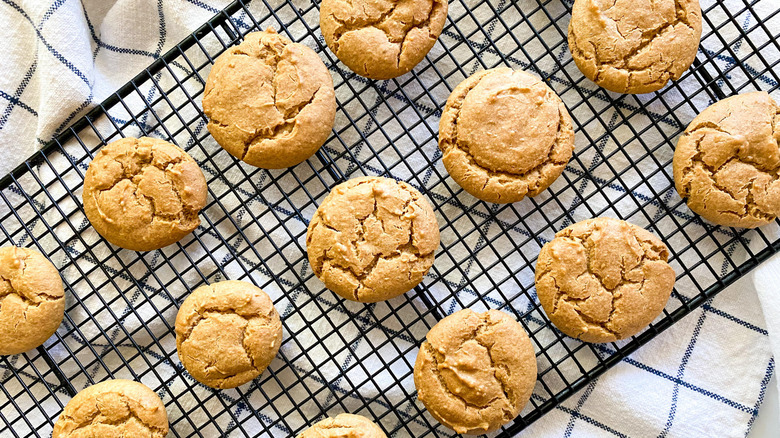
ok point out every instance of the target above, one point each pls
(10, 289)
(282, 129)
(505, 390)
(436, 360)
(270, 55)
(205, 312)
(379, 22)
(751, 210)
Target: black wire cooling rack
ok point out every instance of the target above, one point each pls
(343, 356)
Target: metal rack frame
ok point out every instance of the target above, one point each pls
(122, 304)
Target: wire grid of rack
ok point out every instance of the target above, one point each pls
(343, 356)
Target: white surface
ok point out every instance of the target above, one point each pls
(767, 424)
(766, 279)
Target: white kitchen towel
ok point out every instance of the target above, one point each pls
(766, 280)
(705, 376)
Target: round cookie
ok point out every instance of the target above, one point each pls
(113, 408)
(270, 102)
(505, 135)
(227, 333)
(476, 371)
(32, 299)
(372, 239)
(344, 425)
(143, 193)
(382, 39)
(727, 163)
(634, 47)
(603, 279)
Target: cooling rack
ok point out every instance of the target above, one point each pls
(343, 356)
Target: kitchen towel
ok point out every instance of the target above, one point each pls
(705, 376)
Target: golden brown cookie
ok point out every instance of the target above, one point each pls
(113, 408)
(634, 47)
(32, 299)
(344, 426)
(227, 333)
(476, 371)
(603, 279)
(727, 163)
(505, 135)
(382, 39)
(270, 102)
(143, 193)
(372, 239)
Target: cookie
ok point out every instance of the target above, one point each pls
(602, 280)
(113, 408)
(476, 371)
(143, 193)
(634, 47)
(343, 426)
(727, 163)
(32, 299)
(382, 39)
(372, 239)
(227, 333)
(270, 102)
(505, 135)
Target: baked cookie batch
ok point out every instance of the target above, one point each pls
(504, 135)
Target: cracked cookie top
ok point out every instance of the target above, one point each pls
(32, 299)
(113, 408)
(603, 279)
(505, 135)
(630, 46)
(372, 239)
(476, 371)
(143, 193)
(727, 163)
(227, 333)
(344, 426)
(270, 102)
(382, 39)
